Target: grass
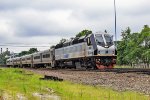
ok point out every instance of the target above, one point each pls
(14, 81)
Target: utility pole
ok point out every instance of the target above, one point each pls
(115, 20)
(115, 13)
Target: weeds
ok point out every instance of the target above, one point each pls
(1, 94)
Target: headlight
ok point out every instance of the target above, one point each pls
(106, 46)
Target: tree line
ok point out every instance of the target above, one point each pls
(30, 51)
(134, 48)
(4, 57)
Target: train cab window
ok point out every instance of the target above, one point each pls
(109, 39)
(88, 41)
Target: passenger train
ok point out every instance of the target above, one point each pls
(93, 51)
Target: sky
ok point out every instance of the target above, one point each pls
(43, 23)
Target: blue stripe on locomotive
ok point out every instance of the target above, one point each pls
(66, 55)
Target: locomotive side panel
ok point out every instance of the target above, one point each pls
(59, 53)
(74, 51)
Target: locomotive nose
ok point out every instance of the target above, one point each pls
(106, 52)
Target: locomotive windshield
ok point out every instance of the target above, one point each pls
(99, 40)
(109, 40)
(104, 40)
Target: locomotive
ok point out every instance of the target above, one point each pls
(93, 51)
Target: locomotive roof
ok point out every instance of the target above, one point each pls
(103, 33)
(72, 41)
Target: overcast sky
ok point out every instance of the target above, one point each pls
(45, 22)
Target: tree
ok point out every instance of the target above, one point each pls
(145, 40)
(62, 41)
(83, 33)
(134, 48)
(122, 47)
(52, 46)
(22, 53)
(32, 50)
(4, 57)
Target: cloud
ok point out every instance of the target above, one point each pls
(31, 22)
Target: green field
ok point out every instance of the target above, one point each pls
(18, 83)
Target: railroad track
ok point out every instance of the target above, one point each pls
(117, 70)
(129, 70)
